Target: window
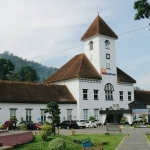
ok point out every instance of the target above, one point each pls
(129, 96)
(107, 56)
(109, 91)
(28, 115)
(121, 95)
(107, 43)
(12, 112)
(85, 92)
(85, 114)
(96, 113)
(43, 115)
(95, 94)
(69, 114)
(90, 45)
(107, 65)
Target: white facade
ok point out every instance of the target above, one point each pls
(35, 111)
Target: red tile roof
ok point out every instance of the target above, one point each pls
(142, 96)
(78, 67)
(26, 92)
(99, 26)
(123, 77)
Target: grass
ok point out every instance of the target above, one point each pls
(38, 144)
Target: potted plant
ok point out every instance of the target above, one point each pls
(123, 120)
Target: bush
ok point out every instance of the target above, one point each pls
(1, 127)
(98, 124)
(44, 123)
(57, 144)
(43, 135)
(47, 129)
(22, 126)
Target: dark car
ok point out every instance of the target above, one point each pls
(29, 124)
(37, 126)
(10, 124)
(69, 124)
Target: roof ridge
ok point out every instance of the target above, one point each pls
(70, 68)
(81, 62)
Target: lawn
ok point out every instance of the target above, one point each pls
(38, 144)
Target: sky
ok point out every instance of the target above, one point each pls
(49, 32)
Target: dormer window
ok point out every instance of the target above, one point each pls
(107, 43)
(90, 45)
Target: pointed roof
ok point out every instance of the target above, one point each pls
(123, 77)
(27, 92)
(78, 67)
(99, 26)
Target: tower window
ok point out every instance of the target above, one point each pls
(107, 65)
(90, 45)
(107, 43)
(107, 56)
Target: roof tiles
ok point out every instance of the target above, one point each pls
(97, 27)
(26, 92)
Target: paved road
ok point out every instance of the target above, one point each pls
(136, 140)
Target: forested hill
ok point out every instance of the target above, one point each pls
(42, 71)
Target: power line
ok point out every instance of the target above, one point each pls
(133, 30)
(87, 44)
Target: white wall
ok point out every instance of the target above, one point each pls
(36, 112)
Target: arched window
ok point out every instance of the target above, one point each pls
(90, 45)
(107, 43)
(109, 91)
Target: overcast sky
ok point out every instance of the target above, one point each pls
(49, 32)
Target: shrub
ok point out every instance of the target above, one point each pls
(47, 129)
(98, 124)
(44, 123)
(1, 127)
(57, 144)
(22, 126)
(43, 135)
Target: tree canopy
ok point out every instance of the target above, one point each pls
(54, 111)
(6, 69)
(143, 9)
(27, 73)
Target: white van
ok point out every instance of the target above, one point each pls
(91, 124)
(81, 123)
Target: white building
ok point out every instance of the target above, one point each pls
(93, 78)
(90, 84)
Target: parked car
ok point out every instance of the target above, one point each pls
(29, 124)
(10, 124)
(68, 124)
(91, 124)
(81, 123)
(37, 126)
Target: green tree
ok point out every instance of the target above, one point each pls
(143, 9)
(27, 73)
(6, 69)
(54, 111)
(14, 76)
(92, 118)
